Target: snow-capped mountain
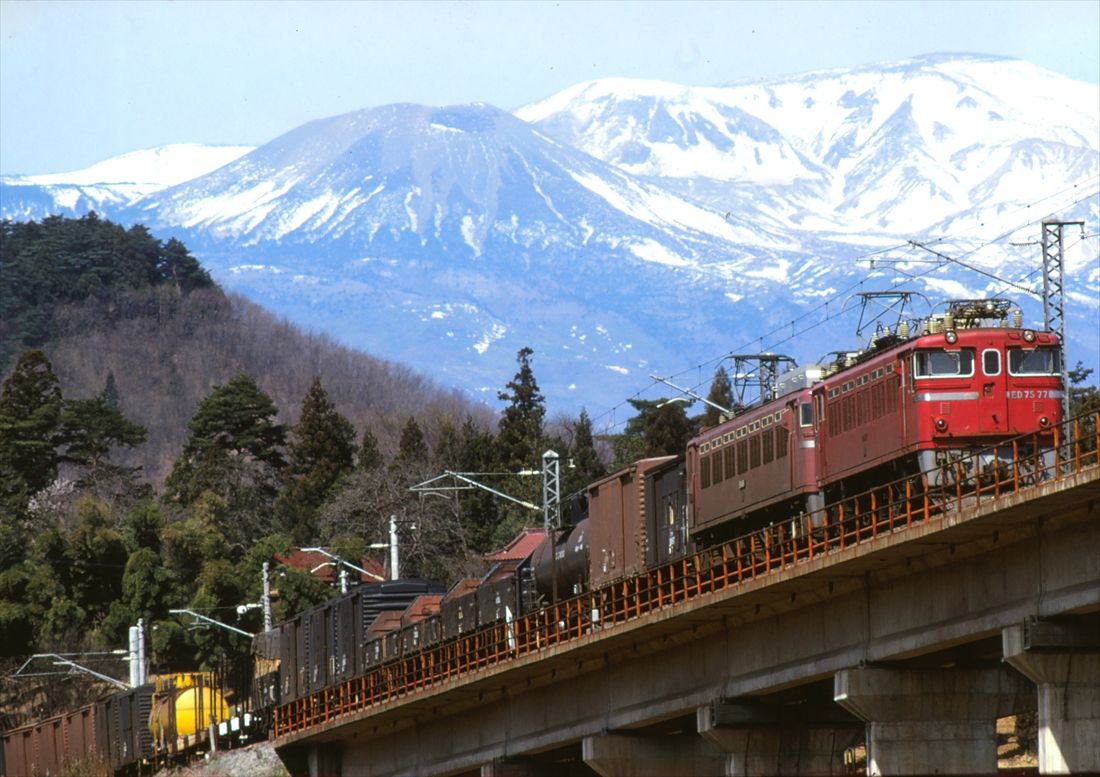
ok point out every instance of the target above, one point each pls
(449, 238)
(905, 148)
(623, 228)
(112, 183)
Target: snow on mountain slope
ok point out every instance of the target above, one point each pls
(155, 168)
(411, 174)
(112, 183)
(895, 148)
(407, 230)
(637, 227)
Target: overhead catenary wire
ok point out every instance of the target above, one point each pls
(843, 293)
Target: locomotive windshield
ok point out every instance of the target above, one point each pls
(939, 363)
(1040, 361)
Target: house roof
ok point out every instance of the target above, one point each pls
(521, 547)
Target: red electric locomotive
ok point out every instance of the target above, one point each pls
(967, 383)
(906, 406)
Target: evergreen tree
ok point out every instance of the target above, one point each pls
(178, 267)
(586, 465)
(30, 410)
(721, 393)
(448, 448)
(369, 456)
(630, 445)
(143, 526)
(110, 391)
(412, 451)
(519, 445)
(234, 450)
(90, 428)
(479, 511)
(321, 450)
(96, 554)
(520, 436)
(668, 432)
(1084, 405)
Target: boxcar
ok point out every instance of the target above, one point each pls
(616, 522)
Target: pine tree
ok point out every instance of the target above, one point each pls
(721, 393)
(321, 450)
(30, 411)
(178, 267)
(90, 428)
(234, 450)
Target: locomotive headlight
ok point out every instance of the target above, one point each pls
(951, 337)
(1044, 421)
(1029, 336)
(941, 424)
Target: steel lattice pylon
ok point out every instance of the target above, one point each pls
(1054, 301)
(551, 491)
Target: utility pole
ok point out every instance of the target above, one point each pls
(394, 571)
(265, 600)
(1054, 303)
(138, 671)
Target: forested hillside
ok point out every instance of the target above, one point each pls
(160, 440)
(105, 303)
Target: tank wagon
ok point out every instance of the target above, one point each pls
(160, 720)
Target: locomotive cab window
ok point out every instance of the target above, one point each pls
(1039, 361)
(806, 414)
(991, 362)
(939, 363)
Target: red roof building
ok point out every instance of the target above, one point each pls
(324, 568)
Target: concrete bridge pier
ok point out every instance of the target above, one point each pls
(1062, 657)
(805, 739)
(671, 755)
(323, 759)
(934, 721)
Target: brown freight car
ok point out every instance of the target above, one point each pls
(616, 522)
(114, 731)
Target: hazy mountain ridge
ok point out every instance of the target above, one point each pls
(635, 227)
(111, 184)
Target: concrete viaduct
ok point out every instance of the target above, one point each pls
(911, 646)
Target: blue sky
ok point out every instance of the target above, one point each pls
(83, 81)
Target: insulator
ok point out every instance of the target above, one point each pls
(948, 321)
(903, 330)
(1017, 318)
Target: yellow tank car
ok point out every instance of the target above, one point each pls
(182, 709)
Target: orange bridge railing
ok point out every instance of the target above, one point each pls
(1015, 467)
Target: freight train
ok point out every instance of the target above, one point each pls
(942, 409)
(157, 721)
